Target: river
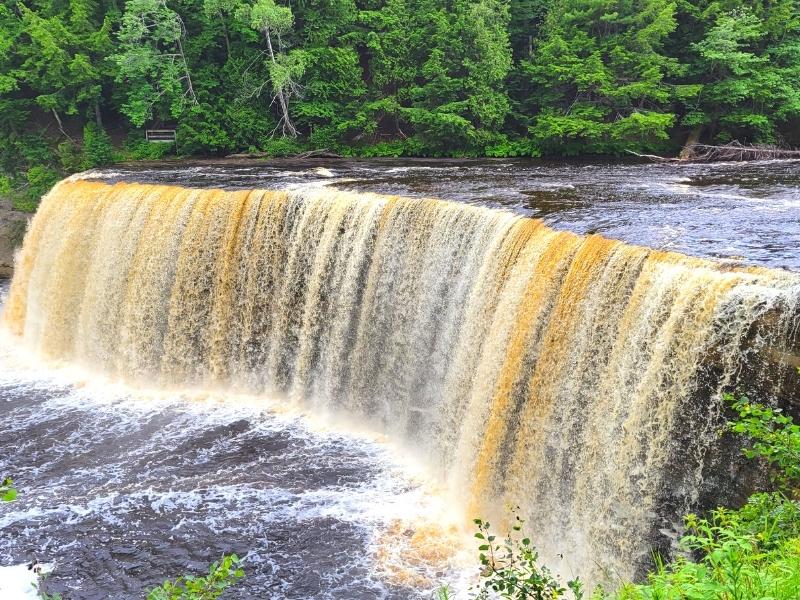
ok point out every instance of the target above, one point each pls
(746, 212)
(331, 381)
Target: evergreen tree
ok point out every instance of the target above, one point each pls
(744, 70)
(64, 57)
(599, 72)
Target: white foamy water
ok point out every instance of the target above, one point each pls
(123, 488)
(20, 582)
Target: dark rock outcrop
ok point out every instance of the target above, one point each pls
(12, 229)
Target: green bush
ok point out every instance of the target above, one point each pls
(97, 148)
(279, 147)
(510, 569)
(40, 179)
(221, 575)
(138, 148)
(7, 491)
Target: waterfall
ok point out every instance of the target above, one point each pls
(576, 378)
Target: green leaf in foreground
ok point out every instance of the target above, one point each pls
(7, 491)
(221, 575)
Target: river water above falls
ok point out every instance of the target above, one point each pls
(307, 375)
(741, 211)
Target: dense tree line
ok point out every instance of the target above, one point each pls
(393, 77)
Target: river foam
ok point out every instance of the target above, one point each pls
(123, 487)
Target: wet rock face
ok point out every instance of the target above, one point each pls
(12, 229)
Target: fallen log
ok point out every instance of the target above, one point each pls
(322, 153)
(733, 152)
(740, 153)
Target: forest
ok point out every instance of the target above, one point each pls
(81, 80)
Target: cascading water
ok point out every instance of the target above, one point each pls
(574, 377)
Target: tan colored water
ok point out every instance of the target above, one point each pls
(574, 377)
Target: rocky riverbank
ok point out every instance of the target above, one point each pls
(12, 230)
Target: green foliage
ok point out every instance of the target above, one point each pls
(152, 63)
(511, 569)
(746, 554)
(392, 77)
(280, 147)
(40, 179)
(7, 491)
(600, 72)
(265, 15)
(97, 148)
(221, 575)
(138, 148)
(746, 64)
(62, 55)
(70, 156)
(775, 438)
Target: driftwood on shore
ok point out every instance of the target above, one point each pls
(733, 152)
(323, 153)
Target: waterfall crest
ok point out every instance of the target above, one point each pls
(574, 377)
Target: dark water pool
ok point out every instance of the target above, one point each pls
(122, 489)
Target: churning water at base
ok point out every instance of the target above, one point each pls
(577, 378)
(122, 489)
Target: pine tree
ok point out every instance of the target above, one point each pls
(599, 76)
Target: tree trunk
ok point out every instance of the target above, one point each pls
(98, 117)
(694, 136)
(225, 33)
(186, 71)
(287, 121)
(61, 125)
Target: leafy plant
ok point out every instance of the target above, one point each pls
(221, 575)
(775, 437)
(7, 491)
(40, 179)
(510, 568)
(138, 148)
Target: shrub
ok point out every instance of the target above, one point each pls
(7, 491)
(279, 147)
(40, 179)
(221, 575)
(138, 148)
(97, 148)
(512, 571)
